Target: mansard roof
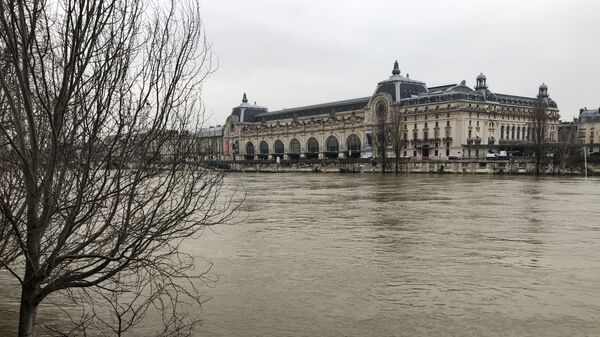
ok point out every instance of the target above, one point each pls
(317, 109)
(463, 92)
(403, 90)
(589, 115)
(211, 132)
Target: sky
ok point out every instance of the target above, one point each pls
(286, 53)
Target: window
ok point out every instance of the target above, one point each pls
(312, 145)
(353, 144)
(332, 144)
(294, 146)
(249, 151)
(264, 150)
(502, 132)
(294, 149)
(278, 147)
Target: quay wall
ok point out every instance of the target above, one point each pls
(464, 166)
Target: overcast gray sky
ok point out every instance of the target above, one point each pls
(285, 54)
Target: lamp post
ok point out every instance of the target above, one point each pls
(585, 161)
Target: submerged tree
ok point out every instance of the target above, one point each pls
(98, 100)
(396, 128)
(381, 117)
(539, 124)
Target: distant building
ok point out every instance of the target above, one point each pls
(588, 129)
(209, 143)
(437, 122)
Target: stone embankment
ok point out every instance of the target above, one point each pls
(461, 166)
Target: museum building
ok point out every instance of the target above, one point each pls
(443, 122)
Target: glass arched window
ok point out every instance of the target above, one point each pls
(502, 132)
(264, 150)
(294, 146)
(512, 136)
(294, 149)
(313, 148)
(312, 145)
(278, 147)
(332, 146)
(249, 151)
(353, 144)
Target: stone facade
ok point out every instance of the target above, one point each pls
(434, 123)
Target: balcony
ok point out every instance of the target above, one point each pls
(474, 141)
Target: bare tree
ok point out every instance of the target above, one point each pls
(381, 119)
(97, 101)
(539, 124)
(396, 127)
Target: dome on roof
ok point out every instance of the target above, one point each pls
(543, 92)
(481, 77)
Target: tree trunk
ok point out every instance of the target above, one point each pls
(28, 312)
(383, 156)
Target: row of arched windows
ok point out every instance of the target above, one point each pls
(517, 133)
(312, 146)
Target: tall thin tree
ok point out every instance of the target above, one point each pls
(97, 101)
(381, 124)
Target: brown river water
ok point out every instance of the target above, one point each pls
(409, 255)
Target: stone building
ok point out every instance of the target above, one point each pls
(209, 143)
(442, 122)
(588, 127)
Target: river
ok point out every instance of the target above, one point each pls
(409, 255)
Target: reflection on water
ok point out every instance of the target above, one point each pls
(418, 255)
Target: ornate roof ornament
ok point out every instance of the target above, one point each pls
(244, 99)
(396, 70)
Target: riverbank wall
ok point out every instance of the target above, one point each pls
(461, 166)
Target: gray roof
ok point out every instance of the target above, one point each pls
(210, 132)
(589, 115)
(317, 109)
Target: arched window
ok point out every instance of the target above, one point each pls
(502, 132)
(313, 148)
(294, 146)
(278, 147)
(249, 151)
(294, 149)
(332, 147)
(312, 145)
(353, 144)
(519, 132)
(512, 136)
(332, 144)
(264, 150)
